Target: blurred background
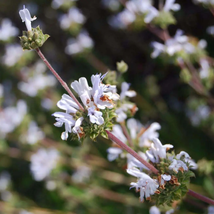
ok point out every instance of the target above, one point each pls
(88, 37)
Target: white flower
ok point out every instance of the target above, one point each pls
(210, 30)
(77, 127)
(201, 113)
(74, 16)
(82, 174)
(64, 118)
(58, 3)
(173, 45)
(7, 30)
(157, 151)
(113, 153)
(79, 44)
(11, 117)
(26, 17)
(42, 163)
(145, 183)
(133, 162)
(124, 91)
(165, 178)
(210, 210)
(34, 134)
(154, 210)
(177, 164)
(170, 5)
(122, 19)
(204, 72)
(13, 54)
(187, 159)
(149, 134)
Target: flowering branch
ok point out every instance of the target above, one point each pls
(200, 197)
(132, 152)
(65, 86)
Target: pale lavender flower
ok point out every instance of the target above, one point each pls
(43, 162)
(145, 183)
(7, 30)
(157, 151)
(26, 17)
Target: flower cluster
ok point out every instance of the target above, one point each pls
(98, 102)
(171, 182)
(146, 13)
(178, 46)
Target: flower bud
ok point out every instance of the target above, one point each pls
(122, 67)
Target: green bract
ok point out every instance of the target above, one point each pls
(33, 39)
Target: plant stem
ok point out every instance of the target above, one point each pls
(200, 197)
(125, 132)
(64, 85)
(132, 152)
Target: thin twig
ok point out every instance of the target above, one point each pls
(132, 152)
(64, 85)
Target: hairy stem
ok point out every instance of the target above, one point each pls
(64, 85)
(132, 152)
(200, 197)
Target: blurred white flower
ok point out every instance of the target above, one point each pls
(43, 162)
(210, 210)
(7, 30)
(58, 3)
(111, 4)
(210, 30)
(50, 185)
(122, 19)
(81, 174)
(145, 184)
(154, 210)
(26, 17)
(204, 71)
(34, 134)
(36, 80)
(74, 16)
(201, 113)
(11, 117)
(13, 53)
(173, 45)
(78, 45)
